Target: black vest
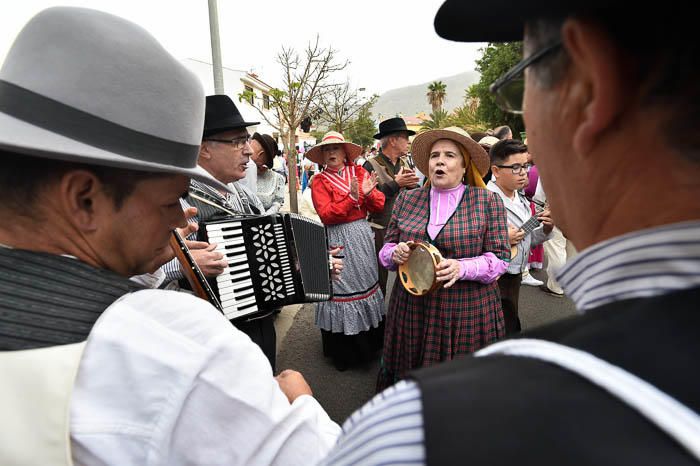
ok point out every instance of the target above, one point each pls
(50, 300)
(502, 410)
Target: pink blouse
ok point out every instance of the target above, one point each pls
(443, 202)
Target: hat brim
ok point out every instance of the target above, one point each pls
(420, 149)
(387, 133)
(243, 124)
(352, 151)
(24, 138)
(495, 26)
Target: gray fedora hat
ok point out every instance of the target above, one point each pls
(85, 86)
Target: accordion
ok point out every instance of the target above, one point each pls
(273, 261)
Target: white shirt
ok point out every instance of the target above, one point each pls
(166, 380)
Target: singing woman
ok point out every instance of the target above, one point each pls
(352, 322)
(467, 224)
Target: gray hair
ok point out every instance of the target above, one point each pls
(551, 69)
(384, 141)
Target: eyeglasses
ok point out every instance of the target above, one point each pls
(517, 167)
(509, 88)
(237, 143)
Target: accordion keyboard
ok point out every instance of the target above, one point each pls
(235, 284)
(272, 261)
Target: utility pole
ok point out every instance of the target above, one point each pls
(215, 47)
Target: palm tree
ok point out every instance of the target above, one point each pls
(466, 117)
(438, 119)
(437, 91)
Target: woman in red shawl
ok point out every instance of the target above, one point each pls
(352, 327)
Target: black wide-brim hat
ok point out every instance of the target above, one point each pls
(505, 22)
(221, 115)
(270, 147)
(392, 125)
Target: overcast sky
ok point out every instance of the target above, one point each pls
(389, 43)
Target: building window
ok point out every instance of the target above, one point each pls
(266, 102)
(251, 100)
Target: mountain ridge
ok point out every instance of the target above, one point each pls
(411, 100)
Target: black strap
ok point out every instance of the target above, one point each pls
(48, 300)
(89, 129)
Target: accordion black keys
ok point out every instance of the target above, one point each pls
(273, 261)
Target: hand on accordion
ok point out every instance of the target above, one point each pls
(211, 262)
(336, 263)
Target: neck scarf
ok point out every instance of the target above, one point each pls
(340, 178)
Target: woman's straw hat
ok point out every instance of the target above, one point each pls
(420, 148)
(352, 151)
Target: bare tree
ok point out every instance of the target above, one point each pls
(304, 81)
(339, 105)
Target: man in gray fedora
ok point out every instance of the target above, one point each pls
(100, 130)
(611, 102)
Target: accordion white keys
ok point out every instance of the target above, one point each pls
(273, 261)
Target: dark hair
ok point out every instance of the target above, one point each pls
(500, 151)
(478, 136)
(23, 182)
(664, 57)
(503, 132)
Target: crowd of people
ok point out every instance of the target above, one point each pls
(107, 360)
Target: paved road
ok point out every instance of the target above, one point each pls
(341, 393)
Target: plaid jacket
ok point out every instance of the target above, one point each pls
(422, 331)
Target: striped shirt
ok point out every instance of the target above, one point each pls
(387, 430)
(642, 264)
(652, 262)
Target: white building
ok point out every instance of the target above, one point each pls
(235, 83)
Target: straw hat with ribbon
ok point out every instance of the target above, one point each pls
(475, 157)
(352, 151)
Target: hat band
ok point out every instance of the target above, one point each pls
(72, 123)
(333, 137)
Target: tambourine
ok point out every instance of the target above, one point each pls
(418, 273)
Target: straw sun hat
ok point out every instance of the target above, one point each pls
(420, 148)
(352, 151)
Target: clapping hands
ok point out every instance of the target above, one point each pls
(368, 184)
(406, 178)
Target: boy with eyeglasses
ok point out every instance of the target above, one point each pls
(509, 167)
